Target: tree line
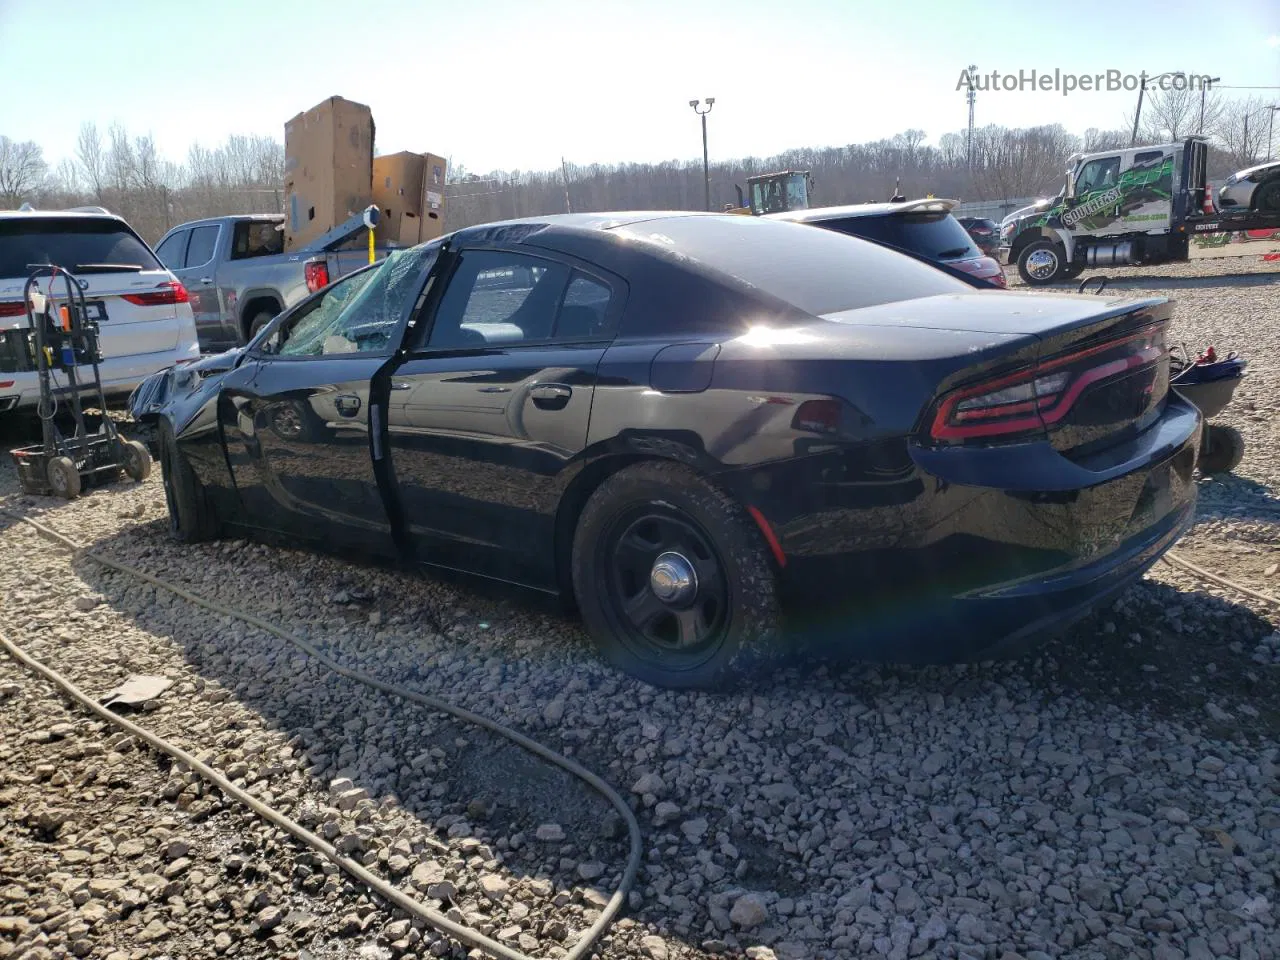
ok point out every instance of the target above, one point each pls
(126, 174)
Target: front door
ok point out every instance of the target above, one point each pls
(1121, 194)
(197, 275)
(300, 431)
(488, 413)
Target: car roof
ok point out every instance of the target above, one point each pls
(57, 215)
(818, 214)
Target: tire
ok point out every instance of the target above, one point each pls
(64, 478)
(1266, 199)
(137, 459)
(1041, 262)
(1072, 270)
(725, 630)
(260, 320)
(1222, 449)
(191, 516)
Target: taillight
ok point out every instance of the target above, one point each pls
(317, 275)
(166, 294)
(1029, 401)
(13, 309)
(984, 268)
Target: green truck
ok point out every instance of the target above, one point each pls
(1135, 206)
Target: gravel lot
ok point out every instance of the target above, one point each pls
(1114, 797)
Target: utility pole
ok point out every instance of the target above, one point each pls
(971, 95)
(1142, 88)
(1204, 88)
(706, 167)
(564, 169)
(1271, 123)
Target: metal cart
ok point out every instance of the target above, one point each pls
(61, 343)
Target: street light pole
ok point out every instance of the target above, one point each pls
(1142, 88)
(1204, 88)
(706, 167)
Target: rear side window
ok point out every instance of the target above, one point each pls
(937, 236)
(815, 270)
(71, 243)
(256, 238)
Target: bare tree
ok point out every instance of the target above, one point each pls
(22, 170)
(1096, 141)
(89, 156)
(1242, 131)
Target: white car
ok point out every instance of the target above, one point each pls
(1256, 188)
(144, 313)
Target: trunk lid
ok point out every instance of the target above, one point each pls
(1098, 374)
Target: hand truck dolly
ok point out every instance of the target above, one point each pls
(62, 343)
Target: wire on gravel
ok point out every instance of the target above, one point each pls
(388, 892)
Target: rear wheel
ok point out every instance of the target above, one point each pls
(674, 581)
(191, 516)
(1221, 450)
(260, 320)
(64, 478)
(1266, 199)
(1041, 262)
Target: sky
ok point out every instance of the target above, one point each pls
(501, 84)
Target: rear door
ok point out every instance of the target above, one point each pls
(129, 292)
(490, 409)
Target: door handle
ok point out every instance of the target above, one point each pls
(401, 385)
(206, 279)
(495, 389)
(348, 404)
(551, 396)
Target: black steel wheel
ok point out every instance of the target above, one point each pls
(64, 478)
(191, 516)
(674, 580)
(666, 584)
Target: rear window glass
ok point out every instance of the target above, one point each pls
(818, 271)
(69, 244)
(937, 236)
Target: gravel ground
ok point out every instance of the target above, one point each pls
(1113, 797)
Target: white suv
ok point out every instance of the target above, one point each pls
(144, 313)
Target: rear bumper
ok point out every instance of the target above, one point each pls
(955, 571)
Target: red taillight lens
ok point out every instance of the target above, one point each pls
(317, 275)
(13, 309)
(984, 268)
(1034, 399)
(165, 295)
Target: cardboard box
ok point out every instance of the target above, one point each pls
(434, 172)
(328, 168)
(409, 190)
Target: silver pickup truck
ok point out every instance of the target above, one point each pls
(239, 277)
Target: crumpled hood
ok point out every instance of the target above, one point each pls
(151, 396)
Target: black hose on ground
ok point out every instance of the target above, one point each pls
(385, 890)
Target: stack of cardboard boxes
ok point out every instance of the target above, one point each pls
(331, 174)
(409, 191)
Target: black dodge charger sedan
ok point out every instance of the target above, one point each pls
(710, 432)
